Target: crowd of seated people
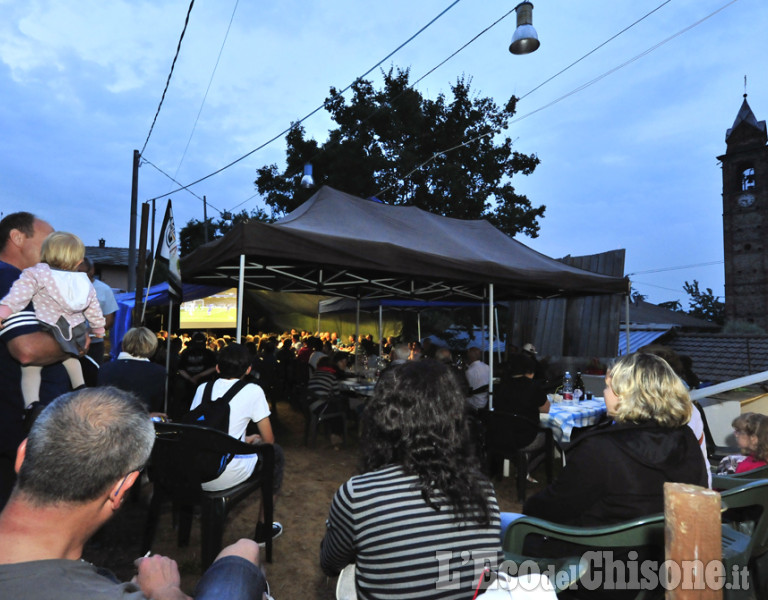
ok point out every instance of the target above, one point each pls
(419, 460)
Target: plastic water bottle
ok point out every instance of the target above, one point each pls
(567, 387)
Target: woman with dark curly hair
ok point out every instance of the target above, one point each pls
(421, 508)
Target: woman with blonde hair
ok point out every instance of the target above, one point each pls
(134, 372)
(617, 473)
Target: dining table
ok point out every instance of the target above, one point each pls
(359, 388)
(564, 417)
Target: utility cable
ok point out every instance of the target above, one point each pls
(624, 64)
(310, 114)
(176, 182)
(595, 49)
(170, 74)
(208, 89)
(571, 93)
(664, 269)
(408, 87)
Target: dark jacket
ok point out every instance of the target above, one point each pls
(143, 378)
(617, 473)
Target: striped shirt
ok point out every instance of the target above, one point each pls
(403, 548)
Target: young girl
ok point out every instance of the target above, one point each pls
(63, 299)
(751, 431)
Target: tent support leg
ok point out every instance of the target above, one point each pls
(381, 331)
(490, 346)
(357, 339)
(418, 326)
(168, 353)
(240, 287)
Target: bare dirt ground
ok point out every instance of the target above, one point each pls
(312, 476)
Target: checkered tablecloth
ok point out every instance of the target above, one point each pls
(562, 418)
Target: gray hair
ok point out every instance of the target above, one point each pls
(400, 352)
(83, 443)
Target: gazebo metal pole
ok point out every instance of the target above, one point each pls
(482, 325)
(418, 326)
(357, 338)
(168, 353)
(381, 331)
(240, 287)
(490, 346)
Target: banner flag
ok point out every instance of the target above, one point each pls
(168, 252)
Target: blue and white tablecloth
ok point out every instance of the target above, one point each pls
(362, 388)
(563, 417)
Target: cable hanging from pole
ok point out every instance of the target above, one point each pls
(313, 112)
(170, 74)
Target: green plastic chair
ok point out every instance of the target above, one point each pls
(726, 482)
(642, 532)
(752, 496)
(647, 531)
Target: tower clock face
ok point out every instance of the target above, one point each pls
(746, 200)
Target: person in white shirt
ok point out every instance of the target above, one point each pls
(248, 406)
(477, 376)
(108, 305)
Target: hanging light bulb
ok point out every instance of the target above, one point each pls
(307, 181)
(525, 39)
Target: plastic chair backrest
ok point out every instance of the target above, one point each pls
(727, 482)
(175, 456)
(506, 433)
(645, 531)
(753, 494)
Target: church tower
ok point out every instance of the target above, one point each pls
(745, 219)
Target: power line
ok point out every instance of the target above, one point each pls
(664, 269)
(311, 113)
(661, 287)
(408, 87)
(571, 93)
(176, 182)
(595, 49)
(624, 64)
(170, 74)
(208, 89)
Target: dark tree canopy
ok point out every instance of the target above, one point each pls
(192, 234)
(704, 304)
(383, 135)
(701, 304)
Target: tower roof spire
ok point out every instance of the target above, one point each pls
(745, 116)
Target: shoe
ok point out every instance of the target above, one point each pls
(261, 534)
(531, 479)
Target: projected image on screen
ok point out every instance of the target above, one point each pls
(214, 312)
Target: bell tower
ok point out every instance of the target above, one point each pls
(745, 219)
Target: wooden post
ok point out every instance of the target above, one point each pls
(132, 222)
(141, 267)
(693, 545)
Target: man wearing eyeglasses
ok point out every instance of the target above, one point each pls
(84, 452)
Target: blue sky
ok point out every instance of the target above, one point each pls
(628, 162)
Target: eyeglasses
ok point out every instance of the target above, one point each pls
(738, 433)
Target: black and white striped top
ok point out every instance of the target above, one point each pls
(403, 548)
